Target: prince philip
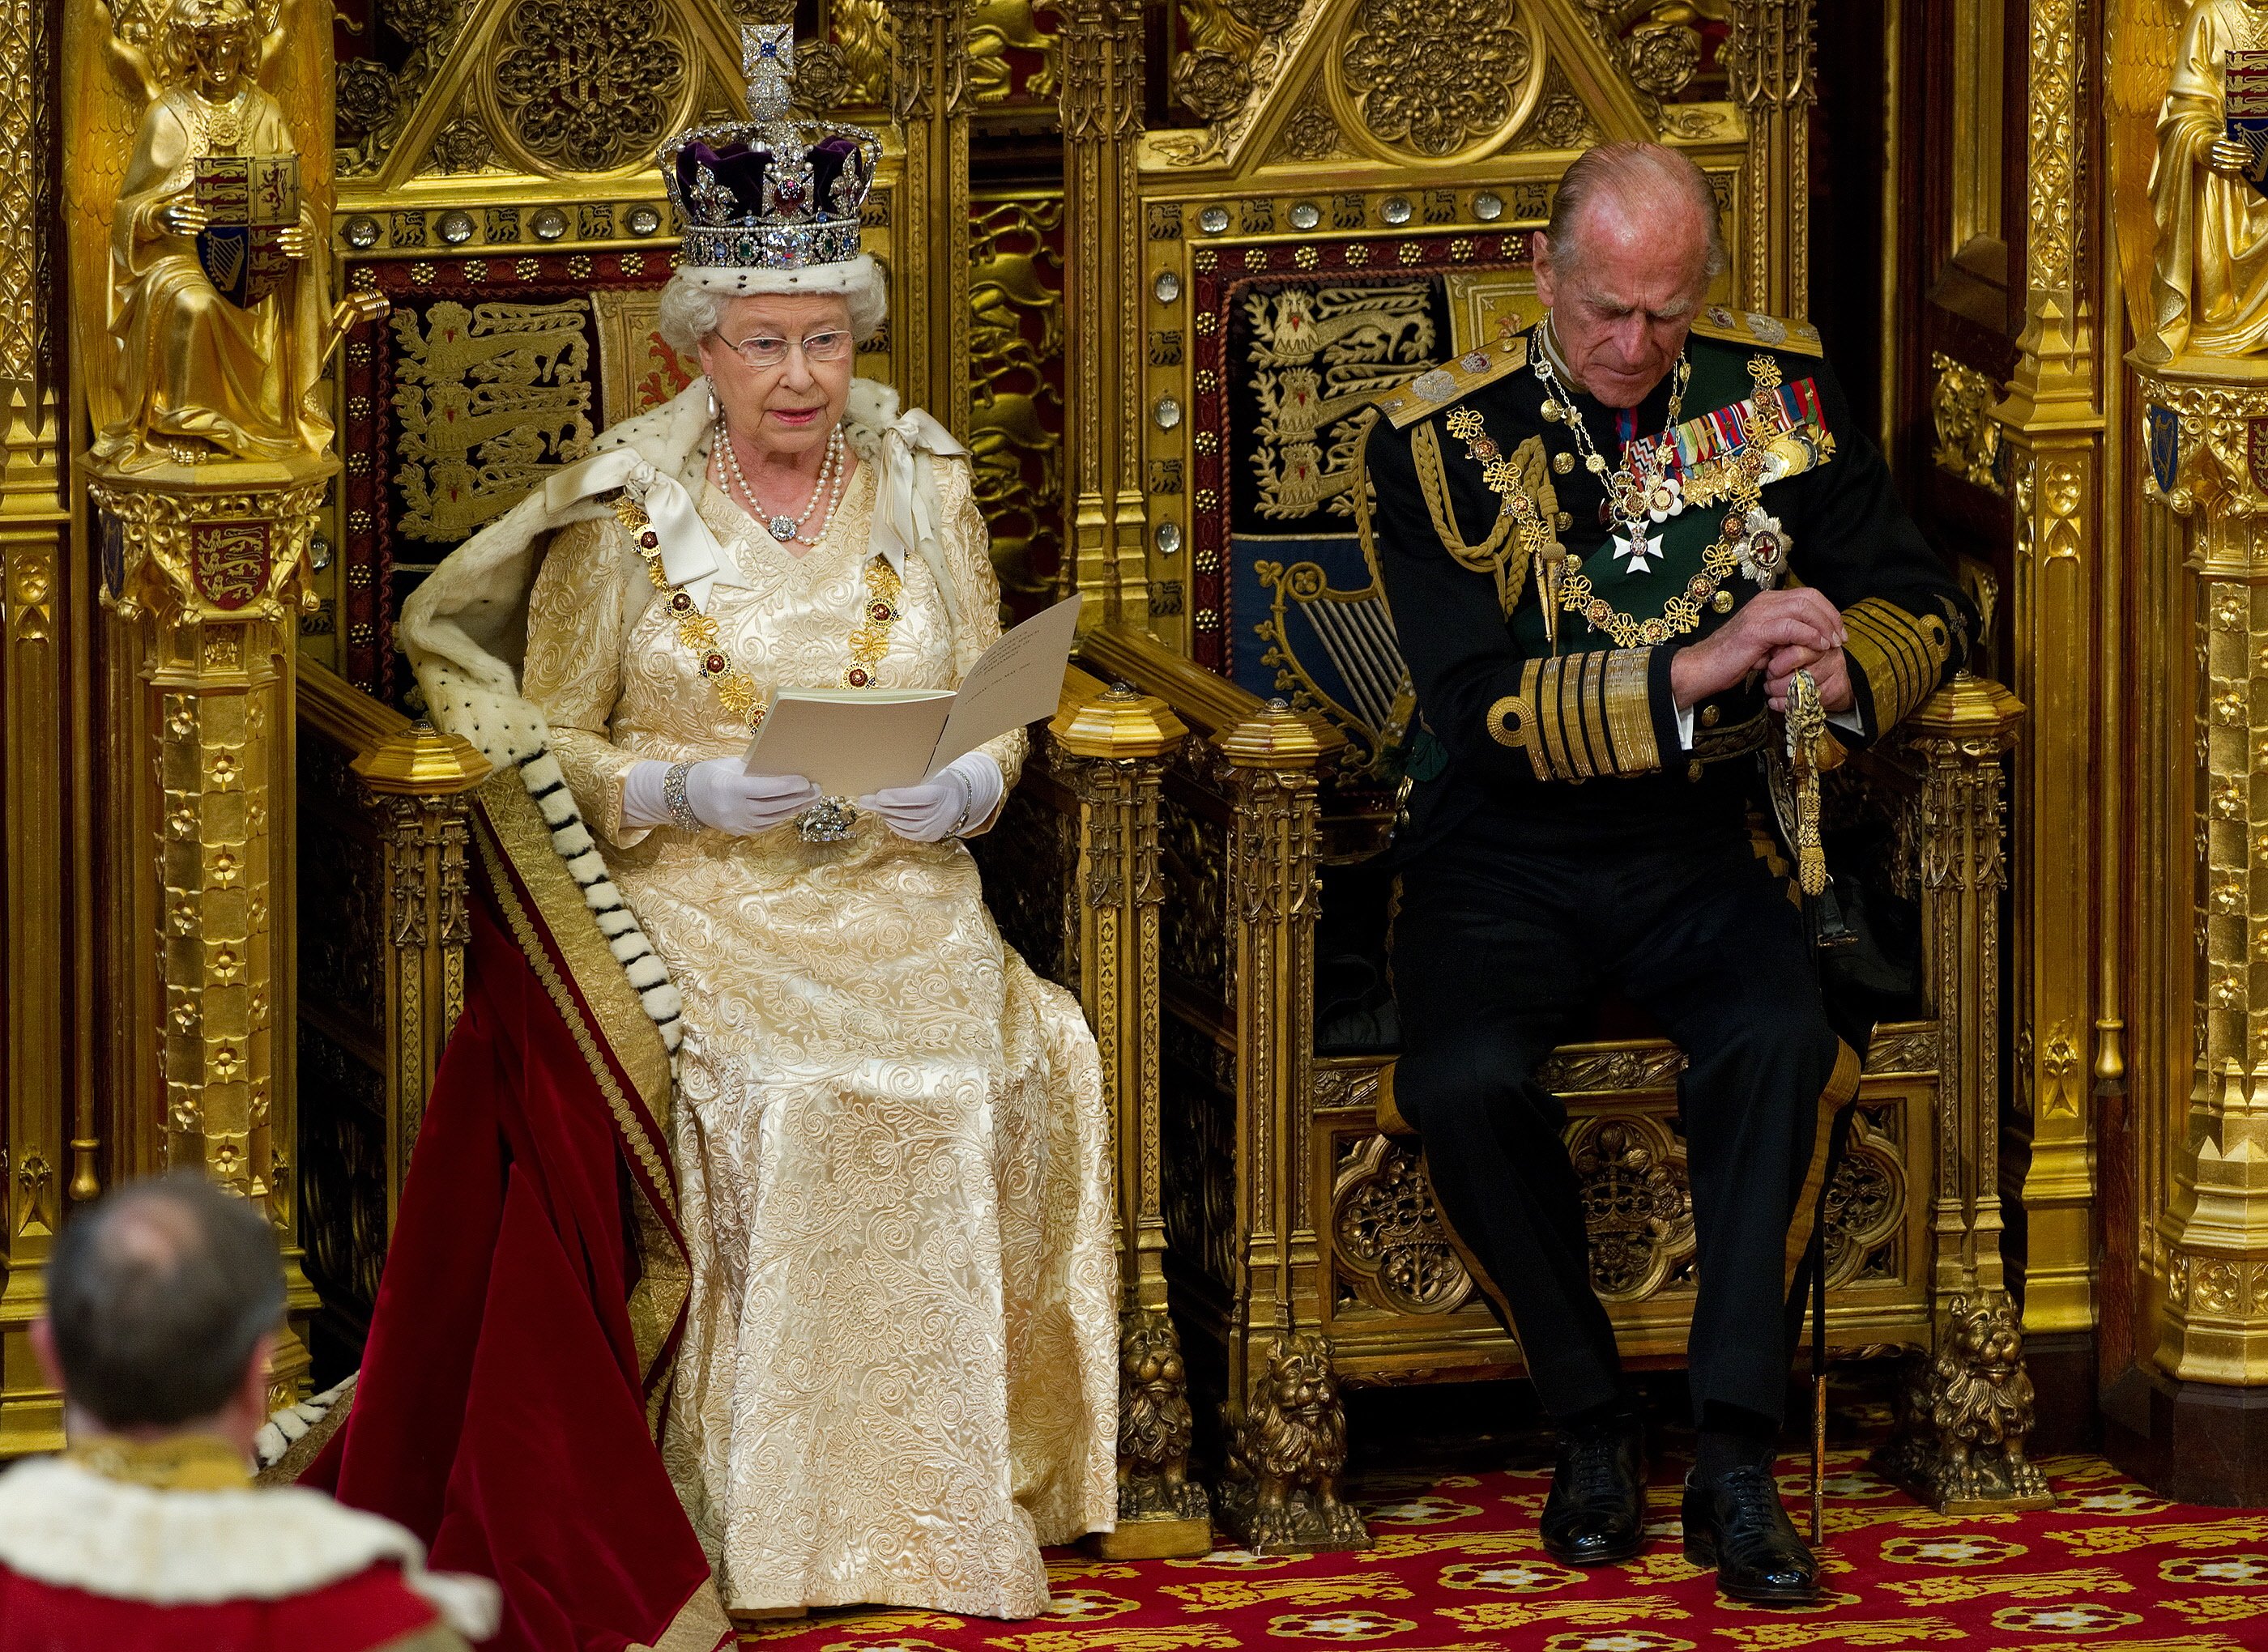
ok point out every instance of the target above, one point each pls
(1610, 544)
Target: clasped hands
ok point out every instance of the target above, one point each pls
(724, 796)
(1777, 632)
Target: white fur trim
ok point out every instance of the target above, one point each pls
(285, 1426)
(846, 275)
(67, 1526)
(471, 691)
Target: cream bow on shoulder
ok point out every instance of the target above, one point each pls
(909, 514)
(691, 555)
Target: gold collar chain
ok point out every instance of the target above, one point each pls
(736, 690)
(1627, 497)
(194, 1462)
(1720, 561)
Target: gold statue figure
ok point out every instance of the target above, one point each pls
(2210, 291)
(213, 185)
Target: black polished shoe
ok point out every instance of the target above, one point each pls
(1597, 1512)
(1737, 1524)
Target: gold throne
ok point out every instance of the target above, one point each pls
(1323, 230)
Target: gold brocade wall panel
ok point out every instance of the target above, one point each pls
(1016, 374)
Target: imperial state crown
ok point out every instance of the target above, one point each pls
(772, 192)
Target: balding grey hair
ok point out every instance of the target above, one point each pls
(157, 1296)
(1644, 178)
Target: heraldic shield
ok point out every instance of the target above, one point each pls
(2161, 430)
(253, 199)
(2245, 108)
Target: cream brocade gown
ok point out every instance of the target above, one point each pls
(899, 1376)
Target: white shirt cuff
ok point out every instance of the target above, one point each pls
(1848, 719)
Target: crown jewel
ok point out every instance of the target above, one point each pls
(774, 192)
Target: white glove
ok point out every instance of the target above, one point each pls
(961, 794)
(719, 794)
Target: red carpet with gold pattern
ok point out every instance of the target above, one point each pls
(1458, 1568)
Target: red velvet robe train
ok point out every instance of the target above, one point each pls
(533, 1292)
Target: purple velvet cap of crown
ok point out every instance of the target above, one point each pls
(739, 167)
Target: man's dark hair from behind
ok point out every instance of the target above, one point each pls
(156, 1295)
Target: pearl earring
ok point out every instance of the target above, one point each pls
(712, 404)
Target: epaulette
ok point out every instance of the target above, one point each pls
(1438, 386)
(1753, 326)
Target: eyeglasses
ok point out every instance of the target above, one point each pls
(765, 353)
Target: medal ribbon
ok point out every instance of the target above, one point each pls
(1724, 432)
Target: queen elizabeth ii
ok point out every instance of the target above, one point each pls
(897, 1378)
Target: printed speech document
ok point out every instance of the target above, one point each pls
(853, 742)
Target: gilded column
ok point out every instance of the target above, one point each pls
(210, 589)
(2052, 434)
(40, 674)
(929, 94)
(1768, 59)
(422, 781)
(1102, 46)
(1284, 1424)
(1119, 744)
(205, 323)
(1967, 1404)
(2195, 444)
(2206, 418)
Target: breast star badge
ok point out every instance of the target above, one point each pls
(1762, 546)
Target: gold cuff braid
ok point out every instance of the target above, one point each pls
(1628, 703)
(1901, 656)
(1561, 718)
(1579, 716)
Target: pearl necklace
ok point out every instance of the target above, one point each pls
(786, 529)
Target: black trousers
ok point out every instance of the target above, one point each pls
(1507, 930)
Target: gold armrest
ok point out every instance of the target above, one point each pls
(1251, 731)
(394, 755)
(1974, 706)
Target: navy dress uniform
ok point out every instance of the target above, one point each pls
(1569, 831)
